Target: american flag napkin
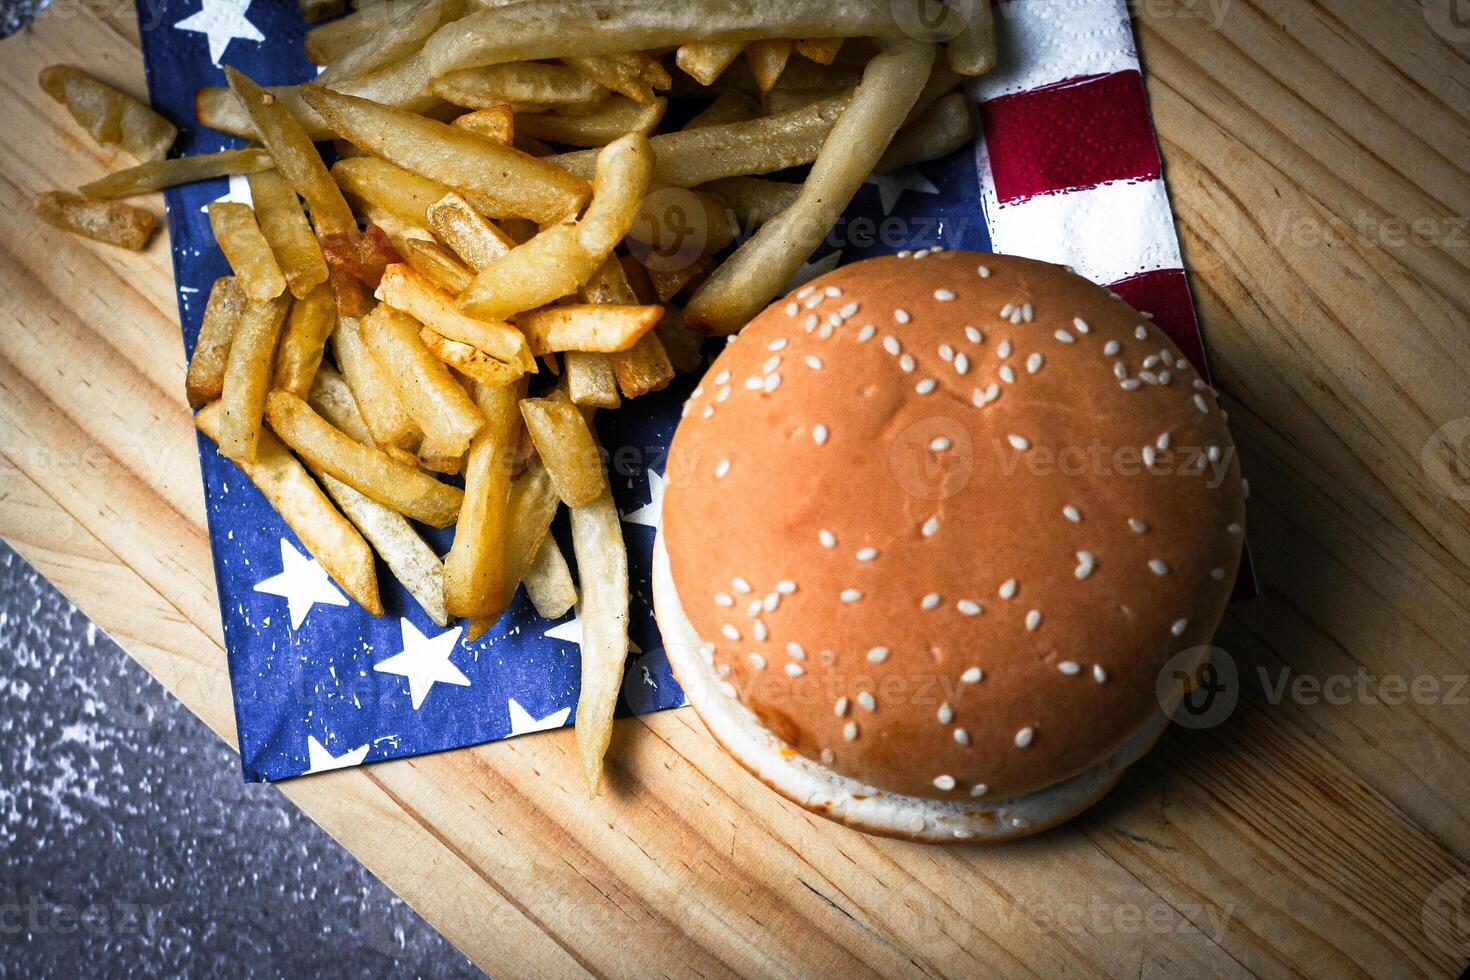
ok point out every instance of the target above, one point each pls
(1067, 170)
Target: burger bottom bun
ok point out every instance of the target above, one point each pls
(848, 801)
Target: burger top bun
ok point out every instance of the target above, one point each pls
(940, 521)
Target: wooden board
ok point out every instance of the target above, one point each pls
(1302, 836)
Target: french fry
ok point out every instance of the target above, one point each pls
(562, 257)
(704, 62)
(437, 264)
(767, 59)
(753, 200)
(313, 11)
(407, 555)
(678, 225)
(352, 296)
(567, 28)
(155, 175)
(496, 122)
(602, 565)
(682, 345)
(567, 447)
(601, 328)
(426, 390)
(748, 280)
(364, 255)
(729, 106)
(590, 380)
(474, 569)
(377, 182)
(248, 377)
(757, 146)
(972, 50)
(333, 40)
(406, 290)
(366, 469)
(533, 503)
(514, 183)
(299, 353)
(468, 232)
(377, 397)
(549, 581)
(238, 235)
(822, 50)
(284, 225)
(524, 83)
(469, 361)
(942, 129)
(111, 222)
(668, 283)
(326, 534)
(645, 366)
(617, 73)
(616, 117)
(110, 117)
(206, 376)
(400, 38)
(296, 157)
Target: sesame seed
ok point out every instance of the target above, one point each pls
(944, 295)
(795, 651)
(1007, 310)
(811, 321)
(969, 607)
(835, 320)
(840, 708)
(1033, 620)
(1072, 514)
(974, 336)
(1063, 336)
(979, 789)
(773, 381)
(724, 599)
(827, 538)
(866, 333)
(1234, 528)
(1008, 588)
(786, 586)
(1099, 673)
(1081, 325)
(1213, 453)
(849, 310)
(850, 731)
(1004, 350)
(754, 383)
(722, 394)
(740, 585)
(1132, 384)
(795, 670)
(731, 633)
(753, 609)
(1180, 625)
(867, 554)
(1018, 442)
(772, 362)
(961, 736)
(709, 411)
(827, 757)
(1141, 332)
(926, 386)
(1150, 456)
(1024, 737)
(973, 675)
(945, 714)
(759, 631)
(832, 291)
(940, 444)
(866, 701)
(1034, 362)
(961, 364)
(805, 291)
(1027, 313)
(1158, 567)
(1137, 526)
(1200, 403)
(814, 362)
(984, 272)
(930, 527)
(851, 595)
(1016, 315)
(1151, 361)
(877, 655)
(722, 468)
(724, 670)
(944, 782)
(1120, 370)
(902, 316)
(892, 346)
(819, 434)
(1111, 348)
(771, 601)
(906, 363)
(1085, 565)
(946, 352)
(930, 601)
(1007, 375)
(756, 661)
(792, 309)
(1218, 574)
(905, 253)
(1163, 441)
(1148, 377)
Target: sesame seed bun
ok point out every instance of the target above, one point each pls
(932, 528)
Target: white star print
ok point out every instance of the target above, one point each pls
(320, 760)
(221, 21)
(647, 515)
(891, 185)
(302, 583)
(810, 270)
(239, 193)
(424, 661)
(571, 631)
(521, 722)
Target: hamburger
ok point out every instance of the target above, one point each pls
(934, 526)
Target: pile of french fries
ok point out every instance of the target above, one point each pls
(510, 209)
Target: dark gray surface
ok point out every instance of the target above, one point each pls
(129, 843)
(15, 14)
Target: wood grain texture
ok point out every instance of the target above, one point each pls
(1302, 836)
